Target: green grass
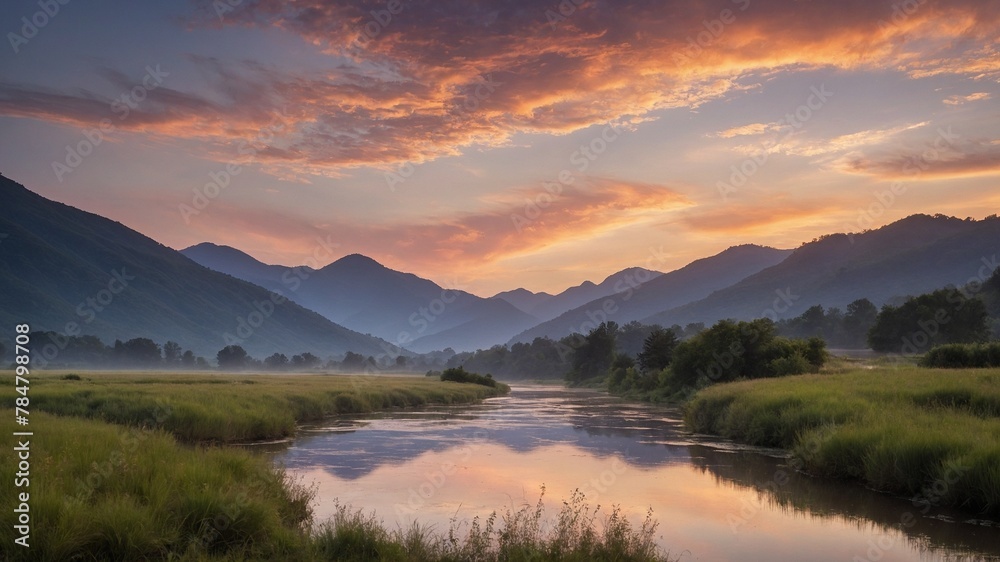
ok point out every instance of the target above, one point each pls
(108, 492)
(930, 435)
(231, 408)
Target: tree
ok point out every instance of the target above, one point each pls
(139, 351)
(3, 352)
(305, 360)
(942, 317)
(400, 361)
(631, 337)
(188, 359)
(657, 350)
(860, 318)
(276, 362)
(171, 353)
(353, 361)
(594, 355)
(729, 350)
(232, 357)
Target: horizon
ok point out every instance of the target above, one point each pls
(499, 146)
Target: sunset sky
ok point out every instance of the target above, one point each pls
(642, 133)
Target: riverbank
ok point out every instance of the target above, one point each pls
(931, 435)
(231, 408)
(129, 467)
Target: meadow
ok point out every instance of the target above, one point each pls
(138, 467)
(231, 408)
(930, 435)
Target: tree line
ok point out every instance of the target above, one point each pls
(953, 315)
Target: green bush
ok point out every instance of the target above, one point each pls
(730, 351)
(459, 374)
(963, 356)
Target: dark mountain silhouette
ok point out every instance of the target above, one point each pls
(692, 282)
(66, 270)
(548, 308)
(358, 292)
(912, 256)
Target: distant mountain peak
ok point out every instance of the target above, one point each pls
(357, 261)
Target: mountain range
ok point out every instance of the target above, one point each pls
(73, 272)
(636, 302)
(66, 270)
(911, 256)
(409, 311)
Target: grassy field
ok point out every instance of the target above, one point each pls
(134, 467)
(200, 407)
(932, 435)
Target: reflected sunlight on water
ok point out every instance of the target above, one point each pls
(713, 501)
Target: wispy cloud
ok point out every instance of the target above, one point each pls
(960, 100)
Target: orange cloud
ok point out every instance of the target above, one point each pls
(777, 214)
(440, 76)
(523, 222)
(959, 100)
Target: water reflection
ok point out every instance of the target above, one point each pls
(715, 500)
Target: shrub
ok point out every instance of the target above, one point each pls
(963, 356)
(459, 374)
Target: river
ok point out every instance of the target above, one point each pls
(713, 500)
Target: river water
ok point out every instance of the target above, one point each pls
(713, 500)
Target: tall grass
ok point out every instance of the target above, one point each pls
(576, 535)
(105, 492)
(227, 408)
(931, 435)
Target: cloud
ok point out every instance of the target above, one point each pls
(959, 100)
(520, 222)
(751, 129)
(741, 219)
(440, 76)
(935, 160)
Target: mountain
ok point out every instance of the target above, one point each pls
(66, 270)
(523, 299)
(362, 294)
(912, 256)
(637, 301)
(546, 307)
